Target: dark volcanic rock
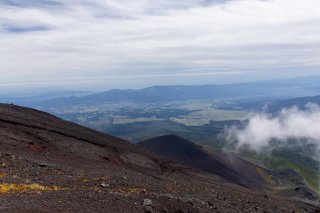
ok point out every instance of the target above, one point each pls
(193, 155)
(50, 165)
(229, 166)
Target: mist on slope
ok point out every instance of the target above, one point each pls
(262, 128)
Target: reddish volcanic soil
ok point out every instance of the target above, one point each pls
(50, 165)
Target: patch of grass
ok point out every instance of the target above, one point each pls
(22, 188)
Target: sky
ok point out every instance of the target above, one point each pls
(104, 44)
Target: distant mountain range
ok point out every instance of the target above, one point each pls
(300, 103)
(34, 98)
(276, 88)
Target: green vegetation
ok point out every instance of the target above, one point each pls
(291, 158)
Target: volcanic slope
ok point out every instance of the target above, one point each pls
(230, 166)
(193, 155)
(50, 165)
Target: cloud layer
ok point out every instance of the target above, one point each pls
(97, 38)
(288, 124)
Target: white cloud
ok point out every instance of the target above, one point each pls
(273, 38)
(290, 123)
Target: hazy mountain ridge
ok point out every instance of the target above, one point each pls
(300, 103)
(275, 88)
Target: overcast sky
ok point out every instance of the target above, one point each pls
(103, 44)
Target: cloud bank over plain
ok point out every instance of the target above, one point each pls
(252, 39)
(290, 123)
